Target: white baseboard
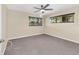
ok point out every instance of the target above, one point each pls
(64, 38)
(47, 34)
(24, 36)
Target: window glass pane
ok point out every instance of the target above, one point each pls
(67, 18)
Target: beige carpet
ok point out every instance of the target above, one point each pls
(41, 45)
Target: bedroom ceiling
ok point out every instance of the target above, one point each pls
(29, 7)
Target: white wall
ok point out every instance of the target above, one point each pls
(68, 31)
(3, 15)
(18, 25)
(0, 23)
(0, 27)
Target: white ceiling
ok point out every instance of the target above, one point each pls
(29, 7)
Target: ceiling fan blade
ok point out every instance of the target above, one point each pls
(48, 9)
(36, 8)
(45, 6)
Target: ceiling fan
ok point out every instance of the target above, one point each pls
(43, 8)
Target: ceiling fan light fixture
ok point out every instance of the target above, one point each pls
(42, 11)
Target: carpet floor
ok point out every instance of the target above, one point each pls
(41, 45)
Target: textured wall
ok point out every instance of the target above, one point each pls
(18, 25)
(69, 31)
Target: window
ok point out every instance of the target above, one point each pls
(35, 21)
(67, 18)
